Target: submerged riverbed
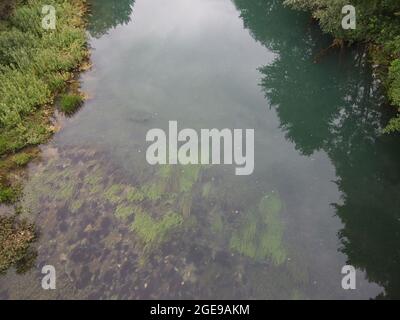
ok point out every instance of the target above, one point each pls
(324, 192)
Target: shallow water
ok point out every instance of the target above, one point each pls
(324, 193)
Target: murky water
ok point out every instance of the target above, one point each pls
(324, 193)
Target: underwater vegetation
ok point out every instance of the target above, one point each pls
(22, 159)
(11, 169)
(159, 206)
(153, 209)
(260, 236)
(15, 240)
(153, 232)
(172, 228)
(8, 194)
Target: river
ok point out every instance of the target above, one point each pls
(324, 192)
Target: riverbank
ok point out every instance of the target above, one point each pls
(377, 25)
(37, 67)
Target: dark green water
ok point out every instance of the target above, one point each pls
(324, 193)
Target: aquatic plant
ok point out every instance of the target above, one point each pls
(76, 205)
(153, 192)
(70, 103)
(186, 204)
(151, 212)
(206, 190)
(260, 234)
(10, 184)
(22, 159)
(217, 223)
(172, 184)
(188, 177)
(52, 184)
(8, 194)
(15, 240)
(152, 231)
(124, 211)
(93, 180)
(114, 193)
(134, 194)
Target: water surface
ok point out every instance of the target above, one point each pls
(324, 193)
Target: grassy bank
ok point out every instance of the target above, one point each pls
(35, 66)
(378, 25)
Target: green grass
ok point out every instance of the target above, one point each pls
(8, 194)
(70, 103)
(22, 159)
(34, 65)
